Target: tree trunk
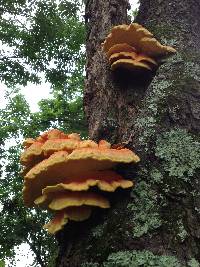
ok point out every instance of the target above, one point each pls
(158, 117)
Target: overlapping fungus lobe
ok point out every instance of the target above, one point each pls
(61, 169)
(54, 170)
(62, 217)
(61, 200)
(105, 180)
(133, 47)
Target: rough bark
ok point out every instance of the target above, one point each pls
(157, 116)
(101, 16)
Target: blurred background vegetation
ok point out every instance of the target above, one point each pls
(40, 39)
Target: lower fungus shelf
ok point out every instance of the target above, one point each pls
(105, 180)
(61, 200)
(68, 168)
(61, 217)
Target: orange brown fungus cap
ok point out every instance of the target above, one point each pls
(61, 200)
(122, 55)
(57, 223)
(117, 48)
(144, 58)
(129, 34)
(104, 144)
(87, 143)
(64, 200)
(134, 56)
(49, 143)
(54, 169)
(74, 136)
(54, 145)
(153, 48)
(60, 170)
(132, 46)
(52, 134)
(32, 154)
(131, 61)
(61, 217)
(105, 180)
(135, 35)
(28, 142)
(129, 64)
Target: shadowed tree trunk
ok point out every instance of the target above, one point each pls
(157, 224)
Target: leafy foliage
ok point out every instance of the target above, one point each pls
(17, 122)
(36, 37)
(39, 36)
(17, 223)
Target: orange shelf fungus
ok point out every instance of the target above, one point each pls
(61, 200)
(88, 144)
(61, 217)
(134, 47)
(60, 171)
(104, 144)
(28, 142)
(61, 164)
(32, 154)
(69, 199)
(118, 48)
(52, 134)
(49, 143)
(129, 64)
(105, 180)
(122, 55)
(57, 223)
(54, 145)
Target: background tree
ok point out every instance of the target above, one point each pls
(159, 118)
(36, 37)
(39, 36)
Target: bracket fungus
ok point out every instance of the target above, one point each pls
(61, 172)
(61, 200)
(133, 47)
(61, 217)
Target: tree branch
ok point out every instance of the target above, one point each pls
(37, 253)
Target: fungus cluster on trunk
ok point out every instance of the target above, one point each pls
(133, 47)
(60, 171)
